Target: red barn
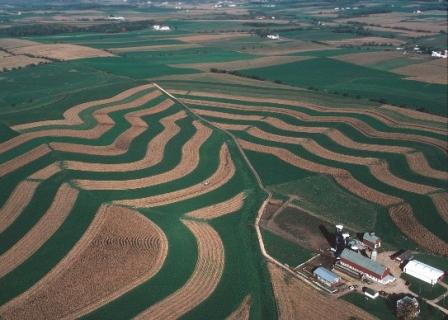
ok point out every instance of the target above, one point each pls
(369, 268)
(371, 240)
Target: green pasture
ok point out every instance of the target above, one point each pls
(285, 251)
(423, 211)
(422, 288)
(346, 78)
(384, 309)
(316, 35)
(322, 196)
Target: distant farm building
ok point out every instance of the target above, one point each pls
(116, 18)
(402, 255)
(371, 240)
(423, 271)
(370, 293)
(439, 54)
(365, 266)
(273, 36)
(158, 27)
(326, 277)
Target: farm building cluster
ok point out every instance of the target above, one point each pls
(356, 257)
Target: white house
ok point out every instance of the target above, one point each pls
(158, 27)
(116, 18)
(439, 54)
(423, 271)
(273, 36)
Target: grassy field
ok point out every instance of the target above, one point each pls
(384, 309)
(346, 78)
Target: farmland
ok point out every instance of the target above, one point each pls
(185, 173)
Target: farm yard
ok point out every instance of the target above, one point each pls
(187, 173)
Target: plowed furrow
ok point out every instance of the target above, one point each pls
(47, 172)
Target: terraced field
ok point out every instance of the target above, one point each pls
(130, 206)
(395, 167)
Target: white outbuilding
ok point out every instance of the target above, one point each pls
(423, 271)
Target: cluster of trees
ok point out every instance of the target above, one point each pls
(56, 28)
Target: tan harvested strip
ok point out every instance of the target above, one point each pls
(118, 147)
(47, 172)
(229, 126)
(123, 141)
(222, 175)
(154, 152)
(243, 310)
(377, 167)
(188, 163)
(105, 122)
(371, 112)
(71, 116)
(24, 159)
(416, 114)
(16, 203)
(203, 281)
(117, 237)
(417, 163)
(50, 222)
(217, 210)
(416, 160)
(342, 177)
(217, 114)
(440, 201)
(404, 218)
(357, 124)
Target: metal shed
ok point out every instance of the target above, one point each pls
(326, 276)
(423, 271)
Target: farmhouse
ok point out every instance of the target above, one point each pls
(116, 18)
(370, 293)
(273, 36)
(423, 271)
(371, 240)
(326, 277)
(439, 54)
(365, 266)
(158, 27)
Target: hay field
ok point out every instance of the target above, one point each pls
(433, 71)
(70, 246)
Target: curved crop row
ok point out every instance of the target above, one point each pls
(189, 162)
(219, 209)
(311, 106)
(416, 160)
(24, 159)
(101, 116)
(221, 176)
(83, 280)
(63, 203)
(357, 124)
(154, 152)
(243, 310)
(72, 115)
(440, 201)
(203, 281)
